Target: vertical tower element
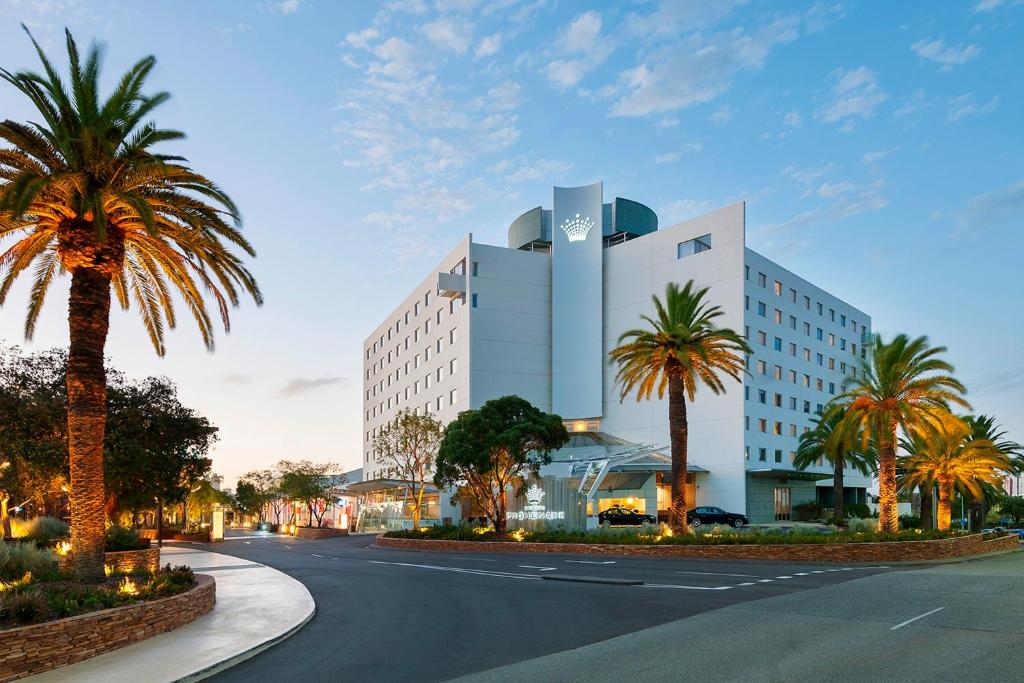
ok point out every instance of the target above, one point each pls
(577, 278)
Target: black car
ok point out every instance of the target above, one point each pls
(621, 515)
(712, 515)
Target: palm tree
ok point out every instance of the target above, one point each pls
(901, 384)
(984, 427)
(946, 453)
(83, 193)
(680, 349)
(822, 442)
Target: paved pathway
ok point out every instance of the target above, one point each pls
(257, 606)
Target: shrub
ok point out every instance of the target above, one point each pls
(122, 538)
(24, 606)
(17, 559)
(862, 524)
(808, 511)
(910, 521)
(43, 530)
(860, 510)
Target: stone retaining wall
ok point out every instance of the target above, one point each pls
(33, 649)
(314, 534)
(906, 551)
(124, 561)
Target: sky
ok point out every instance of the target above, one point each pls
(878, 147)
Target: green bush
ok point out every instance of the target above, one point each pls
(805, 512)
(910, 521)
(45, 531)
(860, 510)
(121, 538)
(17, 559)
(24, 606)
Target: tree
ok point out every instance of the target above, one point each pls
(1013, 507)
(409, 443)
(311, 484)
(486, 451)
(247, 500)
(679, 350)
(901, 384)
(202, 498)
(264, 489)
(821, 442)
(984, 427)
(945, 453)
(83, 192)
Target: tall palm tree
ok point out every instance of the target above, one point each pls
(83, 193)
(946, 453)
(823, 442)
(901, 384)
(984, 427)
(680, 349)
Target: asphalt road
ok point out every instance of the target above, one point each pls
(389, 615)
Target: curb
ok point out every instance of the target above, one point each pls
(214, 669)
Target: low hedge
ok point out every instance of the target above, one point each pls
(659, 537)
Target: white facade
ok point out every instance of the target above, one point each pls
(517, 331)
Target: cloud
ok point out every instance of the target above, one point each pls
(682, 209)
(844, 206)
(855, 94)
(834, 189)
(488, 46)
(301, 385)
(965, 105)
(722, 115)
(792, 119)
(362, 39)
(448, 34)
(286, 7)
(989, 5)
(686, 69)
(669, 158)
(582, 48)
(1002, 206)
(872, 158)
(936, 51)
(522, 169)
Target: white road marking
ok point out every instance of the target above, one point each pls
(288, 546)
(543, 569)
(920, 616)
(315, 555)
(461, 570)
(749, 576)
(689, 588)
(746, 583)
(590, 562)
(334, 558)
(818, 571)
(764, 580)
(783, 577)
(800, 574)
(247, 542)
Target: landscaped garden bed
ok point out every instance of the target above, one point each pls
(909, 545)
(315, 534)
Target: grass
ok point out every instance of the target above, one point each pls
(653, 535)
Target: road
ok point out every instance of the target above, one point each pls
(389, 615)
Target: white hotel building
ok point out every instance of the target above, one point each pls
(538, 317)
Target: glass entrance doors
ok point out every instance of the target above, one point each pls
(783, 509)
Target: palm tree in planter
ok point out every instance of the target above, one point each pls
(680, 349)
(83, 193)
(946, 453)
(900, 384)
(984, 427)
(822, 442)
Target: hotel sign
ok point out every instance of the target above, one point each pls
(534, 509)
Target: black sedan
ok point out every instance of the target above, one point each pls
(621, 515)
(712, 515)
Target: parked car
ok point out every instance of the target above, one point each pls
(708, 514)
(621, 515)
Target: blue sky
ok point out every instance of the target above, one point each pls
(877, 146)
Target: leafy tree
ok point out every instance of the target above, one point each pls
(945, 453)
(265, 488)
(409, 443)
(1013, 507)
(486, 451)
(309, 483)
(247, 500)
(901, 384)
(984, 427)
(202, 498)
(680, 349)
(83, 192)
(821, 442)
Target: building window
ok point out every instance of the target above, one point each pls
(474, 300)
(778, 455)
(792, 322)
(792, 402)
(778, 317)
(820, 334)
(746, 307)
(453, 395)
(762, 368)
(761, 309)
(762, 425)
(831, 339)
(792, 349)
(762, 396)
(778, 288)
(778, 344)
(792, 376)
(807, 407)
(476, 268)
(746, 272)
(453, 336)
(762, 280)
(807, 302)
(777, 428)
(792, 295)
(807, 381)
(440, 403)
(778, 400)
(762, 454)
(694, 246)
(453, 365)
(762, 338)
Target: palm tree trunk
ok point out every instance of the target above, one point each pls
(678, 435)
(837, 492)
(888, 509)
(927, 503)
(88, 318)
(945, 500)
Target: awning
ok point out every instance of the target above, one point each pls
(372, 485)
(786, 474)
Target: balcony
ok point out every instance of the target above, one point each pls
(451, 285)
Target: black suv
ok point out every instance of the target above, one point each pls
(712, 515)
(621, 515)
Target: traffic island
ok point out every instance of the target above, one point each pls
(30, 650)
(951, 548)
(315, 534)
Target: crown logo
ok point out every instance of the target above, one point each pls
(533, 497)
(577, 229)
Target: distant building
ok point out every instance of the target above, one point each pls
(538, 317)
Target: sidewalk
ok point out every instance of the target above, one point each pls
(256, 607)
